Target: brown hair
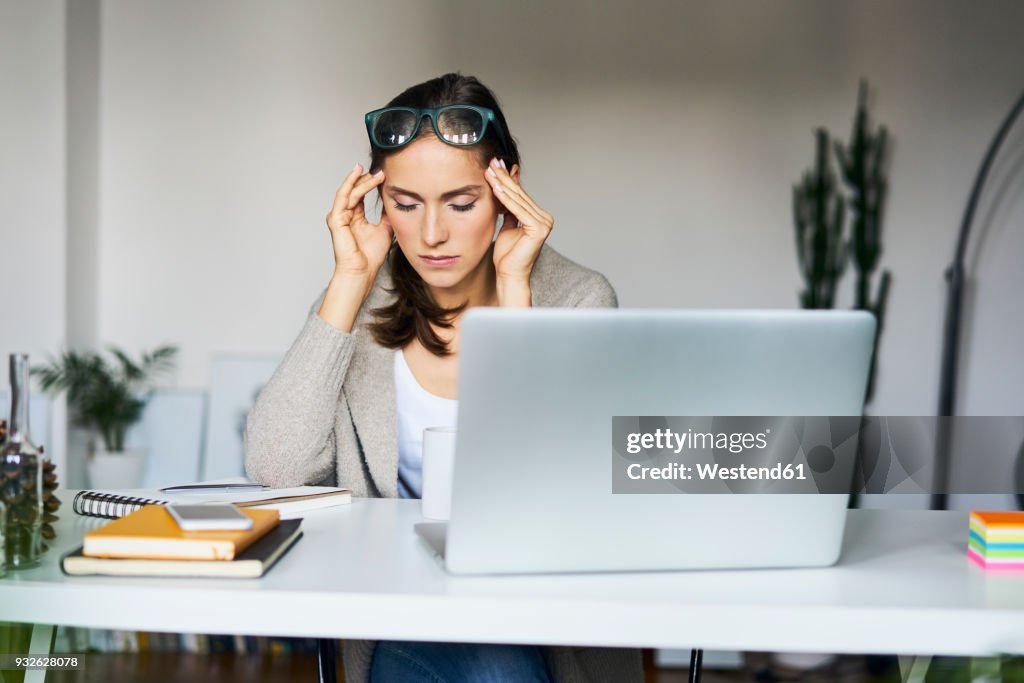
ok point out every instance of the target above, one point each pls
(414, 310)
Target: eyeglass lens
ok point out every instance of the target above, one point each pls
(458, 126)
(461, 126)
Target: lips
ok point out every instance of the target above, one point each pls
(440, 260)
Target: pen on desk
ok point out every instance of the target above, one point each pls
(203, 487)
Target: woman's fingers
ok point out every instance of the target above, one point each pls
(517, 209)
(341, 232)
(510, 220)
(356, 242)
(358, 213)
(366, 183)
(533, 223)
(350, 195)
(342, 195)
(534, 220)
(512, 186)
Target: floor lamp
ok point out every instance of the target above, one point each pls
(955, 277)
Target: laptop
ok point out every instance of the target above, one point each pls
(532, 482)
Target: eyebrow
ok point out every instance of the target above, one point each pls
(447, 195)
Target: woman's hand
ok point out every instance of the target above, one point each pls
(360, 248)
(517, 246)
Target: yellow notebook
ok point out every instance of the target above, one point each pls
(151, 532)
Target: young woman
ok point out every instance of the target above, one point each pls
(377, 359)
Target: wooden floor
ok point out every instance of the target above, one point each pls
(156, 667)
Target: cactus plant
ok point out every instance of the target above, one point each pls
(819, 208)
(818, 211)
(863, 163)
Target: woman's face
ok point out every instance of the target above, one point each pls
(442, 210)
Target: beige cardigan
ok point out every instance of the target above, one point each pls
(327, 416)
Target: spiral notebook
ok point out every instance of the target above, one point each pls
(290, 502)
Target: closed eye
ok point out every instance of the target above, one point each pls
(457, 207)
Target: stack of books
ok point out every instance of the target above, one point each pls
(996, 540)
(148, 542)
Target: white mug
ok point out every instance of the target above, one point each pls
(438, 462)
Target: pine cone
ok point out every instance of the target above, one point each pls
(19, 497)
(50, 500)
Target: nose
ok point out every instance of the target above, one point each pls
(433, 230)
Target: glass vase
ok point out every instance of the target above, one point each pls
(22, 478)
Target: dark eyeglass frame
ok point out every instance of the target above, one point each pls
(486, 115)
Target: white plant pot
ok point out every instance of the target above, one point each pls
(117, 470)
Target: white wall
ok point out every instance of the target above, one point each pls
(226, 129)
(32, 167)
(663, 137)
(664, 141)
(32, 191)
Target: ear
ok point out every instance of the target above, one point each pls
(514, 172)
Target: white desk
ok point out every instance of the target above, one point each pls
(903, 586)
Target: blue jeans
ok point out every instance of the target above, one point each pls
(414, 662)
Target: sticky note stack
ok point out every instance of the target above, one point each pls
(996, 540)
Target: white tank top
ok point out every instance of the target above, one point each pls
(417, 409)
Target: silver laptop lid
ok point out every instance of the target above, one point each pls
(532, 488)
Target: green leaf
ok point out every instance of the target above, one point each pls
(132, 372)
(103, 397)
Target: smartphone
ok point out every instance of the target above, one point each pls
(209, 516)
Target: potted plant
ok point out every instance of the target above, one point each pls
(819, 209)
(107, 398)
